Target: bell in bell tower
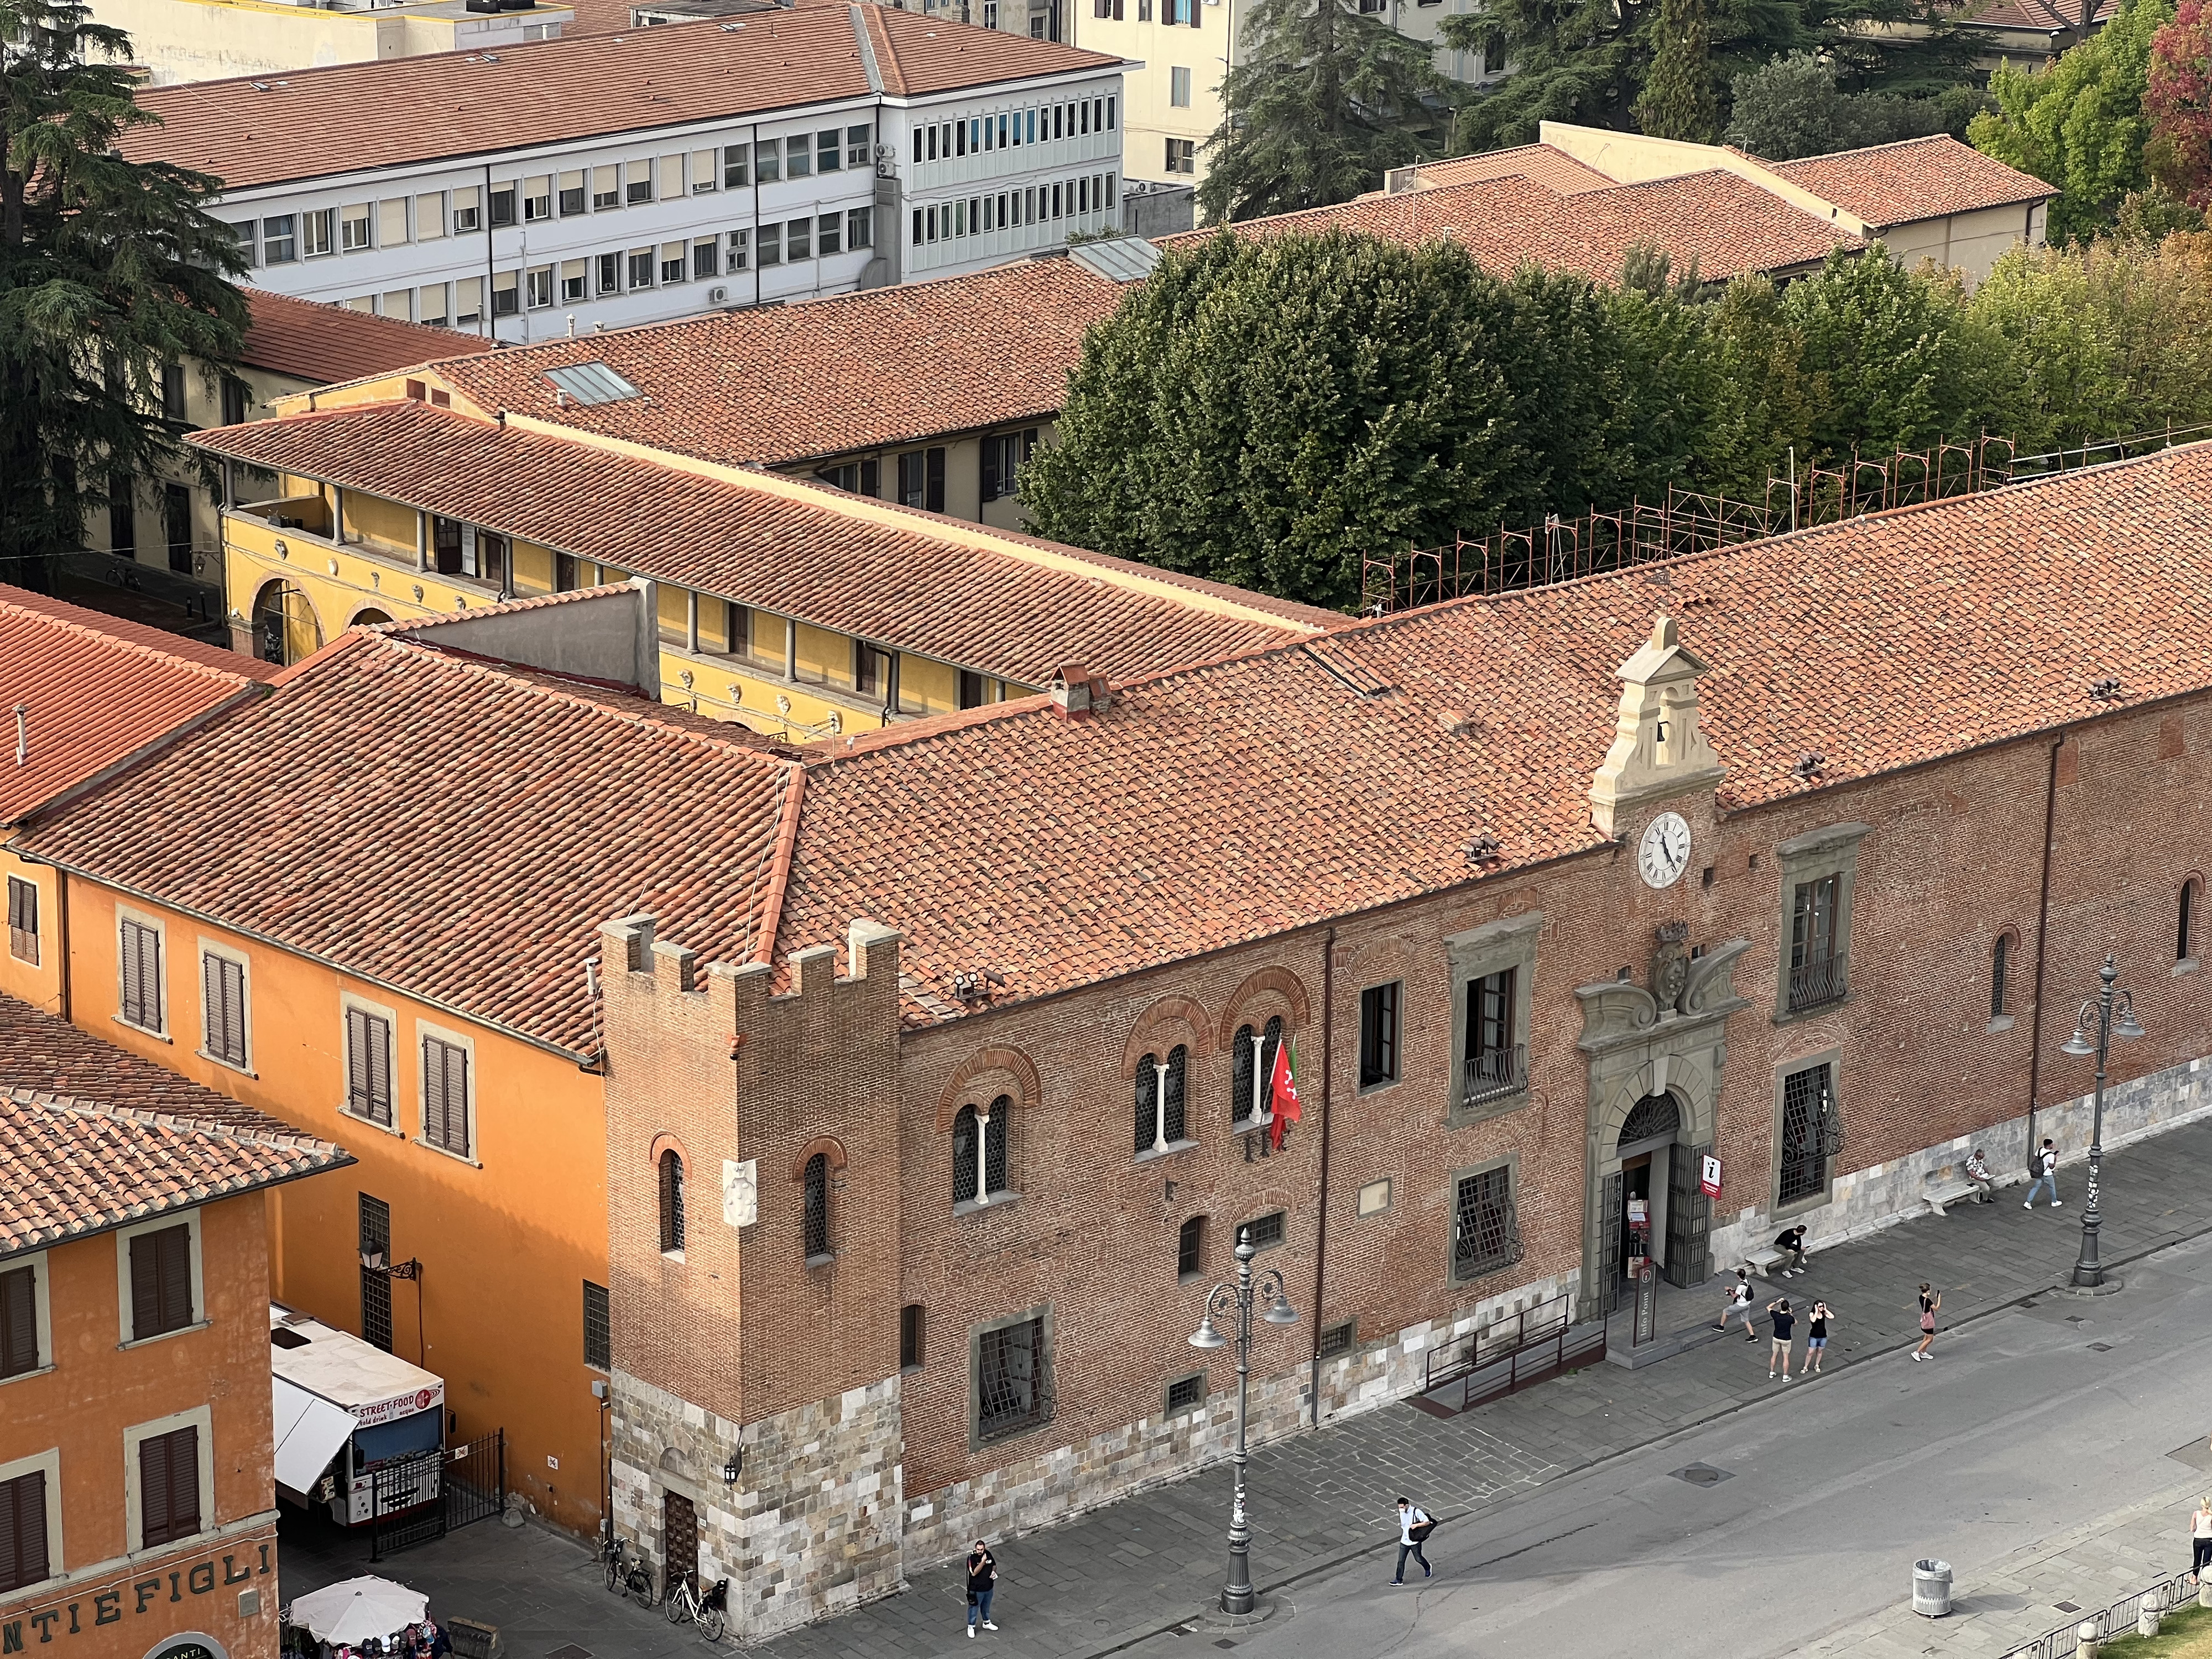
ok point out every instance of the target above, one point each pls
(1659, 748)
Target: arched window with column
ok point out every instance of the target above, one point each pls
(1148, 1103)
(1252, 1069)
(671, 1201)
(1174, 1089)
(816, 1223)
(1162, 1091)
(980, 1165)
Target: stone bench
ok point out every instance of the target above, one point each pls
(473, 1639)
(1763, 1260)
(1939, 1189)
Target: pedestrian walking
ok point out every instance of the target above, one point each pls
(2200, 1539)
(1784, 1323)
(1738, 1301)
(1977, 1172)
(982, 1578)
(1816, 1336)
(1414, 1526)
(1930, 1301)
(1791, 1243)
(2043, 1166)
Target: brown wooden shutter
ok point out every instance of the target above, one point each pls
(176, 1257)
(141, 976)
(168, 1486)
(222, 986)
(23, 1531)
(369, 1065)
(19, 1322)
(145, 1287)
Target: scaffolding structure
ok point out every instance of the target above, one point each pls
(1687, 522)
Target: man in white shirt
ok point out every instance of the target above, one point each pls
(2047, 1174)
(1413, 1528)
(1978, 1172)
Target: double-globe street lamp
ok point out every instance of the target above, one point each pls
(2100, 1008)
(1236, 1595)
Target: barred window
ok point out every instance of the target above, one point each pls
(1810, 1132)
(1148, 1101)
(1265, 1231)
(369, 1065)
(1190, 1249)
(1185, 1392)
(1252, 1069)
(375, 1236)
(598, 1340)
(1485, 1236)
(672, 1200)
(1338, 1339)
(817, 1218)
(1999, 967)
(1171, 1096)
(1012, 1379)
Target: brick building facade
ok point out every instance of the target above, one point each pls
(977, 1166)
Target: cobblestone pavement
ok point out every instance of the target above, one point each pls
(1105, 1580)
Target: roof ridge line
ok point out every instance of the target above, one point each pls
(779, 867)
(136, 648)
(182, 1119)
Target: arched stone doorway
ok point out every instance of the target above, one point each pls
(285, 626)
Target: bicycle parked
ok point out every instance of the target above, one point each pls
(705, 1611)
(626, 1572)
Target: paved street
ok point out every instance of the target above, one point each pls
(2018, 1431)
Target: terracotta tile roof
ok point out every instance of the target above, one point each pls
(1216, 805)
(1553, 169)
(780, 383)
(1728, 225)
(453, 830)
(319, 343)
(2037, 17)
(1889, 185)
(997, 603)
(398, 110)
(93, 1138)
(96, 690)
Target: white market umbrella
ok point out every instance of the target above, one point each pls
(358, 1609)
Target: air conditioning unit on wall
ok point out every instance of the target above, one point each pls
(716, 296)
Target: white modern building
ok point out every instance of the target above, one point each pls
(605, 180)
(180, 40)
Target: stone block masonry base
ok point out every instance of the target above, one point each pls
(1883, 1194)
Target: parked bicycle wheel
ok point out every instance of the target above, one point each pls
(710, 1620)
(678, 1604)
(640, 1586)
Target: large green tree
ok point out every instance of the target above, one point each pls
(1794, 107)
(2079, 123)
(110, 271)
(1677, 100)
(1327, 98)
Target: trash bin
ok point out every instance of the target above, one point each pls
(1932, 1589)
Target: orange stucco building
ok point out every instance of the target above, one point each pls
(363, 901)
(137, 1509)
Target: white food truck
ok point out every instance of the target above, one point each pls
(346, 1409)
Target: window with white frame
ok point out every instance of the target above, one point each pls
(798, 156)
(537, 287)
(706, 176)
(637, 181)
(506, 293)
(368, 1064)
(738, 251)
(607, 188)
(447, 1095)
(859, 228)
(1179, 88)
(737, 165)
(279, 239)
(467, 209)
(391, 223)
(576, 280)
(30, 1520)
(317, 232)
(222, 1007)
(858, 141)
(571, 199)
(169, 1478)
(353, 228)
(23, 920)
(140, 1001)
(431, 215)
(158, 1267)
(705, 254)
(674, 264)
(640, 267)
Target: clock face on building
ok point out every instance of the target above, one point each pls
(1665, 853)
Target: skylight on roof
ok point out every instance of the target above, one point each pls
(591, 383)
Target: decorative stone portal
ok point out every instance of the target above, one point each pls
(1655, 1060)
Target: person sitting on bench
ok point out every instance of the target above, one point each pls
(1791, 1243)
(1978, 1172)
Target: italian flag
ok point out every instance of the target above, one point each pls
(1283, 1092)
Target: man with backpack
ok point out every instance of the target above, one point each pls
(2043, 1170)
(1738, 1301)
(1414, 1526)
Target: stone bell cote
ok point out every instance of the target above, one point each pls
(1659, 748)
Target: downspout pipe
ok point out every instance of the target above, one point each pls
(1321, 1226)
(2042, 928)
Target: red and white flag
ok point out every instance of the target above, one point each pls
(1283, 1092)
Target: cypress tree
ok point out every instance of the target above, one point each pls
(1677, 102)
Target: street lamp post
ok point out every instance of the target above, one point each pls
(2088, 1276)
(1236, 1595)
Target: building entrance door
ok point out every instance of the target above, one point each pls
(679, 1535)
(1635, 1188)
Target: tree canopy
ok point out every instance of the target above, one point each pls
(1677, 100)
(110, 271)
(1327, 99)
(1794, 107)
(1273, 411)
(2178, 102)
(2079, 123)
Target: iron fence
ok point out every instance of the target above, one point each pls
(1537, 1343)
(2115, 1621)
(1493, 1075)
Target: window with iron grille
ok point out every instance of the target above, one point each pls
(1810, 1132)
(222, 1007)
(979, 1150)
(1494, 1063)
(369, 1067)
(1252, 1069)
(817, 1218)
(168, 1487)
(1265, 1231)
(139, 947)
(1185, 1392)
(598, 1338)
(375, 1235)
(1190, 1248)
(1486, 1235)
(1338, 1339)
(22, 920)
(23, 1531)
(160, 1281)
(2183, 944)
(914, 1326)
(445, 1095)
(2000, 964)
(1816, 972)
(19, 1322)
(672, 1200)
(1378, 1036)
(1013, 1384)
(1162, 1119)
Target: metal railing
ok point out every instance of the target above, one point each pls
(1513, 1353)
(1491, 1076)
(1816, 982)
(2110, 1623)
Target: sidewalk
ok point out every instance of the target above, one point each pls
(1109, 1578)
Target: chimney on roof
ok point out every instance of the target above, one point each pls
(1076, 693)
(22, 734)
